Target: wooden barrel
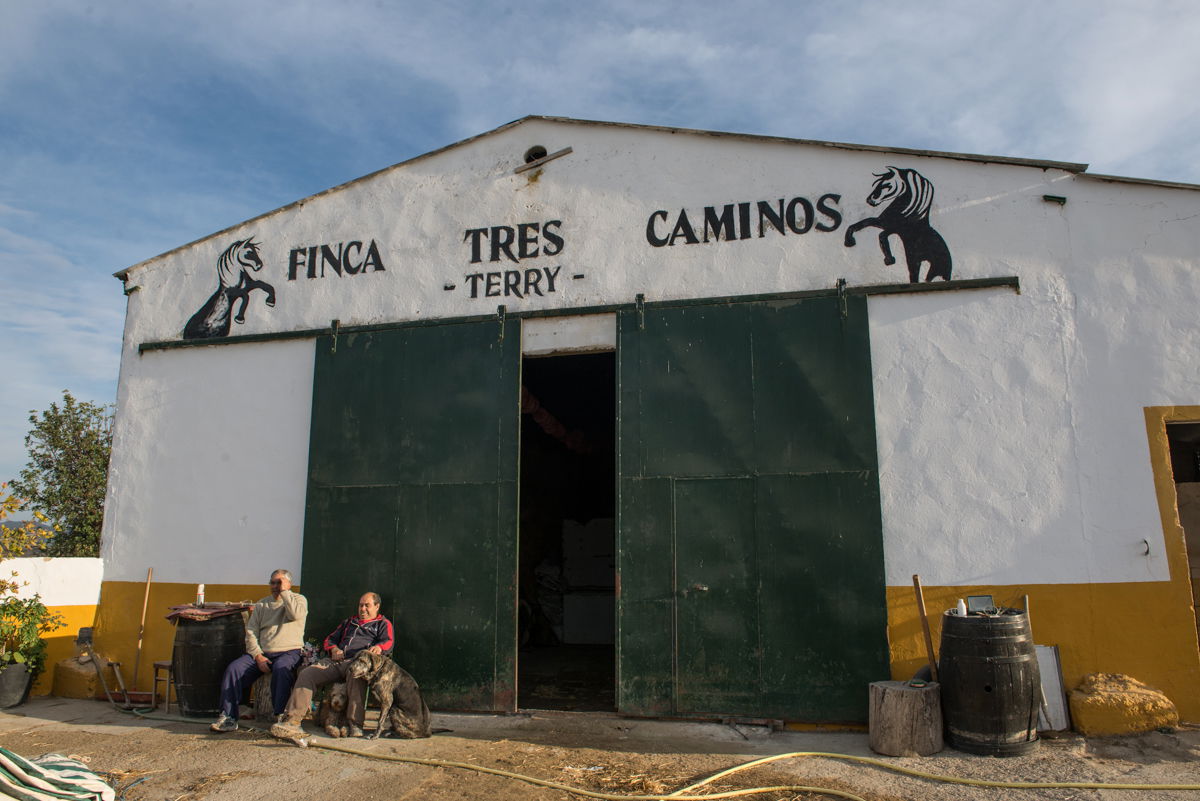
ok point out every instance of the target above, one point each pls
(203, 649)
(991, 688)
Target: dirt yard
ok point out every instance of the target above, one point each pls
(173, 760)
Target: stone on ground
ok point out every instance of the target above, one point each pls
(1113, 703)
(75, 679)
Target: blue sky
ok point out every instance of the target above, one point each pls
(131, 127)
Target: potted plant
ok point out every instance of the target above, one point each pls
(23, 621)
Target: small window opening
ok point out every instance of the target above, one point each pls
(534, 153)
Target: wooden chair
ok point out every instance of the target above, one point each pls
(168, 680)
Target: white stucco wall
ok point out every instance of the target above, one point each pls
(575, 334)
(604, 193)
(976, 480)
(1011, 433)
(1011, 439)
(59, 581)
(210, 454)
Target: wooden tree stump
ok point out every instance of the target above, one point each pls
(906, 721)
(264, 709)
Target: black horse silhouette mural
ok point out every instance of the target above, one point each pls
(907, 216)
(234, 283)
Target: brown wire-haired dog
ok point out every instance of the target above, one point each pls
(401, 707)
(332, 713)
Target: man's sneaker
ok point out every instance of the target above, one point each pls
(286, 730)
(224, 723)
(353, 731)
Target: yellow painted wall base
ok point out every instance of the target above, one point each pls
(797, 726)
(1140, 629)
(60, 644)
(120, 615)
(1145, 630)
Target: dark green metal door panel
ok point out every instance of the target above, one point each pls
(813, 404)
(414, 405)
(819, 553)
(757, 419)
(646, 589)
(454, 624)
(717, 639)
(344, 525)
(701, 387)
(413, 493)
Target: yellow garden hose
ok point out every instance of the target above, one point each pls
(678, 795)
(681, 794)
(440, 763)
(934, 776)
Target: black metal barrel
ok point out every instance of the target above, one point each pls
(991, 687)
(203, 649)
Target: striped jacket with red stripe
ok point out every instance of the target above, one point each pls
(355, 634)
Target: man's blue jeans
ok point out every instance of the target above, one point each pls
(243, 672)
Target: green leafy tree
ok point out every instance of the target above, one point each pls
(68, 446)
(17, 540)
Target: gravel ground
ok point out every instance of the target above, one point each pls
(174, 760)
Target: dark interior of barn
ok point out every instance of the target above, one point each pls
(567, 609)
(1184, 441)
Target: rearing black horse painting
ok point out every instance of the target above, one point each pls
(234, 283)
(907, 216)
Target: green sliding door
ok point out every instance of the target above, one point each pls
(749, 537)
(412, 493)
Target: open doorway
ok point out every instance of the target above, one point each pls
(1184, 439)
(566, 573)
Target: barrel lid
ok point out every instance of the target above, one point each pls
(992, 612)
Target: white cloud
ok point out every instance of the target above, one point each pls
(1056, 80)
(134, 127)
(1129, 87)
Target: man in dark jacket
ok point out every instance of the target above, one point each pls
(366, 631)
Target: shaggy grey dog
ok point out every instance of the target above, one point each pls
(401, 707)
(332, 713)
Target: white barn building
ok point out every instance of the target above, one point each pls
(686, 410)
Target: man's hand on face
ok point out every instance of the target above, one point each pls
(263, 663)
(279, 584)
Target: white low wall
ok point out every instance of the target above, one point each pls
(60, 581)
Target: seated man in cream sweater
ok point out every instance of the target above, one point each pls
(274, 639)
